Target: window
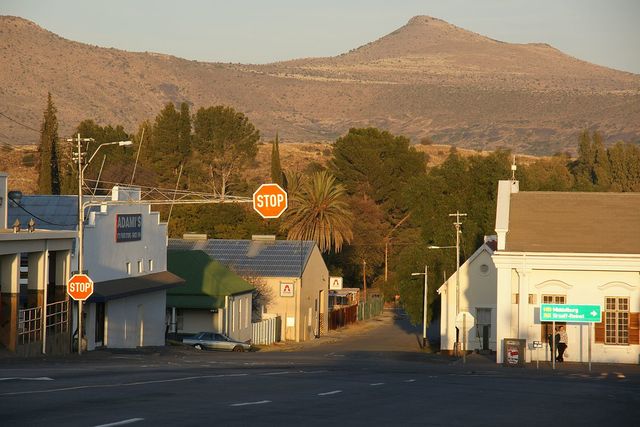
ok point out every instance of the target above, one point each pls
(150, 265)
(140, 266)
(616, 320)
(128, 265)
(547, 327)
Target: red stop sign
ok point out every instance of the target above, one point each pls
(270, 200)
(80, 287)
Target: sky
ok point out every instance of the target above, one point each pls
(602, 32)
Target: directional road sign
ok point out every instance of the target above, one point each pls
(572, 313)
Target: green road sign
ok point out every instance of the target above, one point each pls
(577, 313)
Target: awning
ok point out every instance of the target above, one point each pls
(121, 288)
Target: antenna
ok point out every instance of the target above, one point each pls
(513, 168)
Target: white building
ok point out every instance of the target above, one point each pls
(569, 248)
(125, 254)
(477, 294)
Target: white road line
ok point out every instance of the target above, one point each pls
(27, 379)
(409, 381)
(375, 384)
(259, 402)
(121, 423)
(330, 392)
(278, 373)
(53, 390)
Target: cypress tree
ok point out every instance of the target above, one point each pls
(276, 168)
(48, 170)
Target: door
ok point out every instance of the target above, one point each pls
(99, 326)
(483, 326)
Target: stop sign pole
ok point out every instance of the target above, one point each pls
(80, 288)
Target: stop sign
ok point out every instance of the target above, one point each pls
(270, 200)
(80, 287)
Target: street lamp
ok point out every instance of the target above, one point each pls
(80, 253)
(424, 310)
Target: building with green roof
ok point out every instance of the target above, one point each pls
(214, 298)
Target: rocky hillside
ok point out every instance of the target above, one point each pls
(426, 79)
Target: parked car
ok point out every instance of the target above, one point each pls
(214, 341)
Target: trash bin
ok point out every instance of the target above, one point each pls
(514, 352)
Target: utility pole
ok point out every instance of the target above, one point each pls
(457, 225)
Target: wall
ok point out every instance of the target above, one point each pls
(477, 290)
(583, 280)
(301, 308)
(128, 318)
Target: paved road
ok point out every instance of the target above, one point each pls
(374, 374)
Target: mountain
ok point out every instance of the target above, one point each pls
(426, 79)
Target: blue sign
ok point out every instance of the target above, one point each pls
(128, 227)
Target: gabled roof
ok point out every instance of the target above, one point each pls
(260, 258)
(120, 288)
(573, 222)
(489, 246)
(205, 278)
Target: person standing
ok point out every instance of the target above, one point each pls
(561, 339)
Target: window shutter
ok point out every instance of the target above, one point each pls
(634, 328)
(599, 331)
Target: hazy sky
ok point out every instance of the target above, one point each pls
(603, 32)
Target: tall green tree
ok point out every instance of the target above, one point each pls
(276, 168)
(169, 143)
(48, 168)
(225, 141)
(319, 212)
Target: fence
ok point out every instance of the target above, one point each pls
(372, 308)
(340, 317)
(29, 325)
(266, 332)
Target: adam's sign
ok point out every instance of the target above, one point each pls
(128, 227)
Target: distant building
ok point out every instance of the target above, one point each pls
(477, 296)
(293, 270)
(569, 248)
(214, 299)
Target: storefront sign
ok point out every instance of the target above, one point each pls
(128, 227)
(286, 289)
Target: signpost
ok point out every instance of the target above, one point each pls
(570, 313)
(270, 201)
(80, 288)
(464, 321)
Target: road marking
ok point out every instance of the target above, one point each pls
(277, 373)
(330, 392)
(27, 379)
(375, 384)
(259, 402)
(53, 390)
(409, 381)
(121, 423)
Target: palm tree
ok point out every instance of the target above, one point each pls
(319, 211)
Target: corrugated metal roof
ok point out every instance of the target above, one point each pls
(574, 222)
(261, 258)
(49, 212)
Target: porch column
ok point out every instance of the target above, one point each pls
(9, 298)
(524, 321)
(36, 279)
(63, 272)
(503, 310)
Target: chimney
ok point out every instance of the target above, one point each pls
(263, 238)
(194, 236)
(4, 201)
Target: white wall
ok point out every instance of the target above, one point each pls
(129, 318)
(583, 280)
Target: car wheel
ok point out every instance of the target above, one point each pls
(238, 349)
(198, 347)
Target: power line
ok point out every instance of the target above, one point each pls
(15, 121)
